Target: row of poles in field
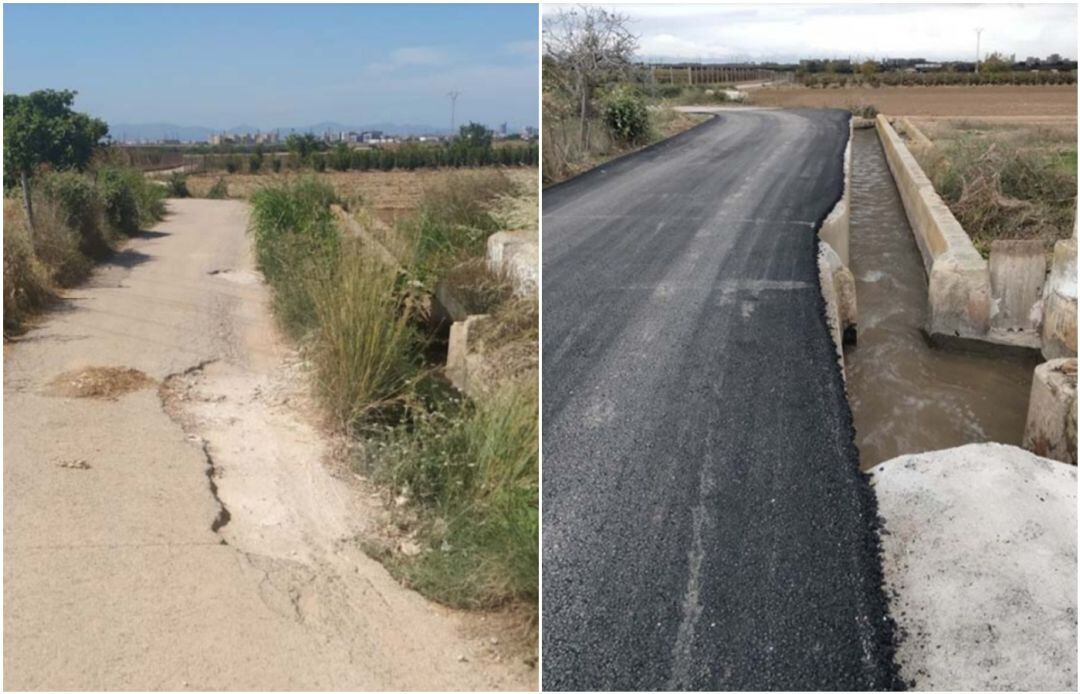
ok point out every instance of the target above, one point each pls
(711, 74)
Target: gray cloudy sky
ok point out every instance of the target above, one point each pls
(788, 32)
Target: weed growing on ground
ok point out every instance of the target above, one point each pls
(177, 185)
(1000, 190)
(475, 466)
(218, 191)
(470, 467)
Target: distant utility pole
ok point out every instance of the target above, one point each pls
(978, 35)
(453, 107)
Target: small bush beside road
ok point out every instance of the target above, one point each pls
(79, 219)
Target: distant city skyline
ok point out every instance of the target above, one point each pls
(788, 33)
(263, 66)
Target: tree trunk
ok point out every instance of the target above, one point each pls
(584, 114)
(24, 179)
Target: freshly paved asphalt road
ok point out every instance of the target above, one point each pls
(705, 522)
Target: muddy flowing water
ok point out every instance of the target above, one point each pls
(906, 396)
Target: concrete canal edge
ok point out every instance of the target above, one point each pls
(837, 281)
(959, 278)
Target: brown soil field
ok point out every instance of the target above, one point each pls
(389, 194)
(931, 101)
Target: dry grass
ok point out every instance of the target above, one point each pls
(1005, 180)
(26, 280)
(389, 196)
(100, 382)
(930, 101)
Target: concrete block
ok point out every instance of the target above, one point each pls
(838, 290)
(917, 137)
(1051, 421)
(1059, 303)
(958, 297)
(1017, 276)
(979, 555)
(463, 360)
(516, 254)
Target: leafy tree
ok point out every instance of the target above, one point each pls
(590, 45)
(41, 128)
(996, 62)
(304, 145)
(255, 161)
(868, 68)
(475, 136)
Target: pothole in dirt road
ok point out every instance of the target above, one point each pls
(100, 382)
(236, 276)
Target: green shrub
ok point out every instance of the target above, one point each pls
(82, 210)
(275, 164)
(341, 157)
(318, 162)
(218, 191)
(295, 238)
(626, 116)
(130, 201)
(177, 185)
(255, 161)
(475, 465)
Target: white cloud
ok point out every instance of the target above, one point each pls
(526, 47)
(787, 32)
(418, 55)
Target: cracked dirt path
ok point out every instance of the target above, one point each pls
(121, 568)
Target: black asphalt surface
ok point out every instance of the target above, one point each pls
(705, 523)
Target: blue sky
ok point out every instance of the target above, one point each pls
(279, 65)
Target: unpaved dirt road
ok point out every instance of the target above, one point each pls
(187, 534)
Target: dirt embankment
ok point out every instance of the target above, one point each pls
(931, 101)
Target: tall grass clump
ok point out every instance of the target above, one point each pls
(26, 282)
(454, 221)
(476, 466)
(364, 346)
(296, 240)
(218, 191)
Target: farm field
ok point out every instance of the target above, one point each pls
(390, 195)
(930, 101)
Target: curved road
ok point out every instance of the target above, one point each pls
(705, 522)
